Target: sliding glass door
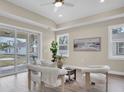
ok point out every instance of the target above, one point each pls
(17, 49)
(7, 52)
(21, 50)
(34, 47)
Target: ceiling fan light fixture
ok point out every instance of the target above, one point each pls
(102, 1)
(58, 4)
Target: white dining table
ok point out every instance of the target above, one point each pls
(92, 69)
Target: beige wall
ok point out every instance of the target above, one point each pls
(83, 58)
(48, 36)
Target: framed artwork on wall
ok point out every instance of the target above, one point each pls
(87, 44)
(63, 45)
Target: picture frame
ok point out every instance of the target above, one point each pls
(87, 44)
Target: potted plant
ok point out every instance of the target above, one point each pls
(53, 49)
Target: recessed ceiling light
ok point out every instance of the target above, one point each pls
(60, 15)
(102, 1)
(58, 4)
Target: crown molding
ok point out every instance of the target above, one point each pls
(117, 13)
(104, 16)
(77, 24)
(25, 20)
(16, 28)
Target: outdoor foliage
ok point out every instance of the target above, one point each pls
(4, 46)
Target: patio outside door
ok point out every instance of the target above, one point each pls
(21, 51)
(34, 50)
(17, 48)
(7, 52)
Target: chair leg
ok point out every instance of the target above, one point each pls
(43, 86)
(34, 83)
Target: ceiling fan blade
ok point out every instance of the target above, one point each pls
(68, 4)
(46, 4)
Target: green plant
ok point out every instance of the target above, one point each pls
(4, 46)
(54, 49)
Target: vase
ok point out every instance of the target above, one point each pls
(59, 64)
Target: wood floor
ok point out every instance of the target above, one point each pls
(18, 83)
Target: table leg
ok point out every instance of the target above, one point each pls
(106, 81)
(62, 80)
(87, 80)
(29, 79)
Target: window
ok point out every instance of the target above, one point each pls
(63, 47)
(18, 46)
(116, 42)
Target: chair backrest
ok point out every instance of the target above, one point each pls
(33, 67)
(49, 75)
(48, 63)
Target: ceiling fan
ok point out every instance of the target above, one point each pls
(59, 3)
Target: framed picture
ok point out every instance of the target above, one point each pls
(63, 44)
(87, 44)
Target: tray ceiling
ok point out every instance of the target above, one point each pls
(82, 8)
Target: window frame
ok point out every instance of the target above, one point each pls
(61, 35)
(110, 43)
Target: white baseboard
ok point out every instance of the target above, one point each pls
(116, 73)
